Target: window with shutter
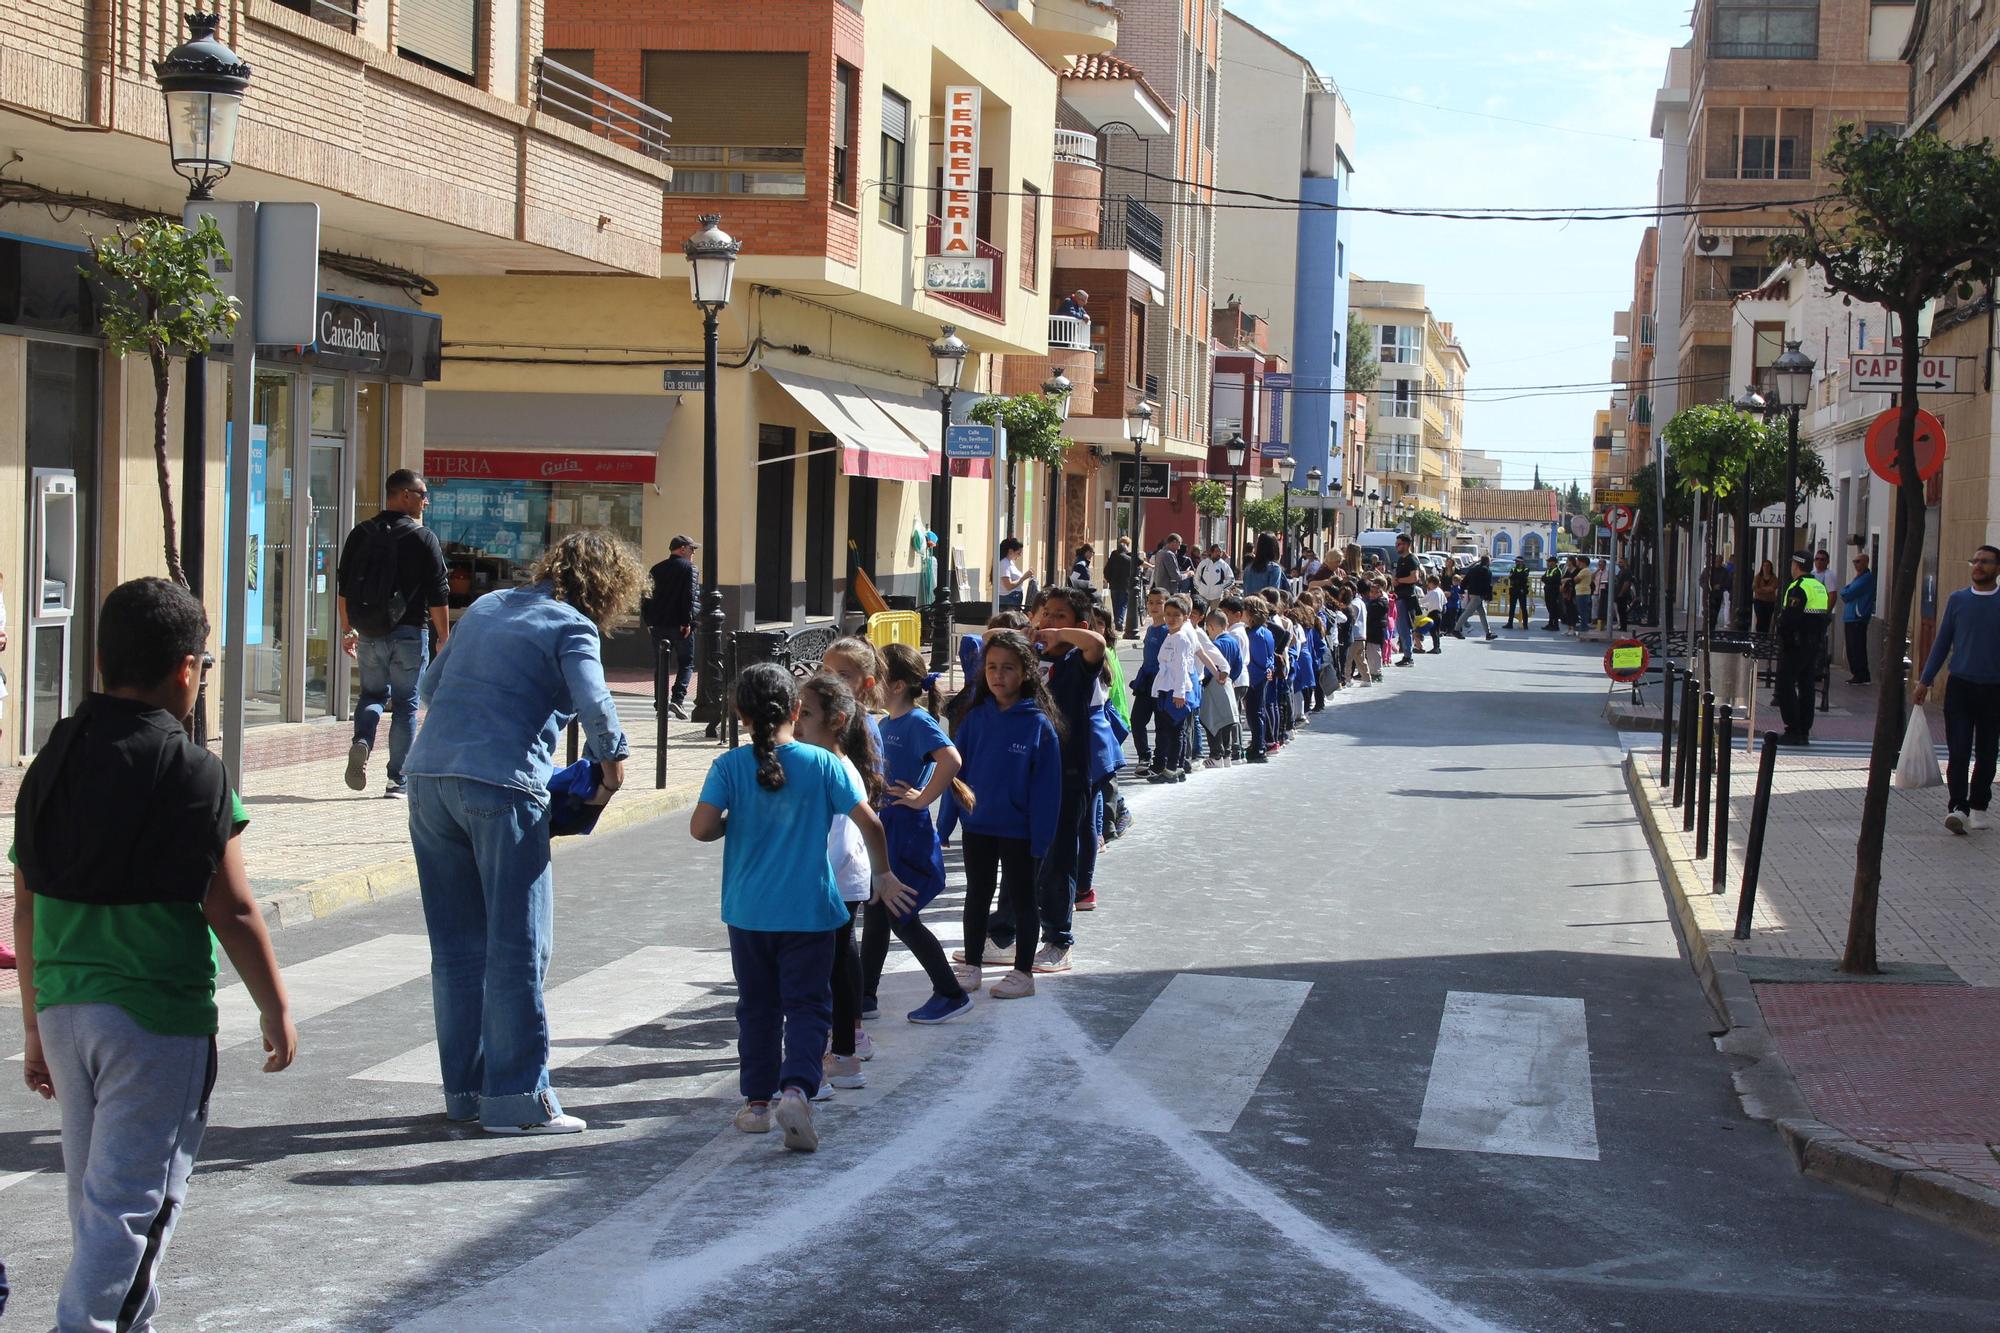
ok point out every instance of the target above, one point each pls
(739, 118)
(443, 34)
(895, 157)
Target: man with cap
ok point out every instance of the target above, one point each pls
(668, 613)
(1803, 622)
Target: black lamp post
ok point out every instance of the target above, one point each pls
(1138, 428)
(948, 355)
(1235, 451)
(1314, 480)
(711, 255)
(1375, 509)
(1793, 371)
(1058, 389)
(1287, 470)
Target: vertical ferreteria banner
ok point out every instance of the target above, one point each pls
(959, 236)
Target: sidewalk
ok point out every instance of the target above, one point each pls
(1891, 1084)
(313, 846)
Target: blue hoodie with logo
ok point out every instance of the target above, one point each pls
(1014, 765)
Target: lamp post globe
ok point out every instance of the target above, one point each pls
(1314, 480)
(1138, 429)
(1751, 401)
(711, 256)
(948, 355)
(1793, 371)
(204, 82)
(1235, 451)
(1057, 388)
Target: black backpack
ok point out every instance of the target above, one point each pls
(375, 598)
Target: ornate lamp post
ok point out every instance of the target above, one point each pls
(1314, 479)
(711, 255)
(1058, 388)
(1287, 471)
(1793, 371)
(1235, 451)
(948, 355)
(1138, 429)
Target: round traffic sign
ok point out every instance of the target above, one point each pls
(1580, 525)
(1881, 446)
(1619, 519)
(1626, 660)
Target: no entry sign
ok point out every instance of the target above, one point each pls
(1626, 660)
(1619, 519)
(1881, 446)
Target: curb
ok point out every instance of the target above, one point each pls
(322, 898)
(1764, 1083)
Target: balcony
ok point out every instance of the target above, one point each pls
(1078, 207)
(1069, 331)
(1139, 229)
(993, 304)
(1645, 330)
(572, 96)
(1054, 29)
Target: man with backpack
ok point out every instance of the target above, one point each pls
(392, 579)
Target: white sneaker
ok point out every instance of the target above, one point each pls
(795, 1118)
(1955, 821)
(864, 1045)
(845, 1071)
(560, 1124)
(968, 976)
(1013, 986)
(1976, 819)
(1052, 958)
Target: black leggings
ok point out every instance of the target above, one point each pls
(876, 927)
(990, 861)
(846, 986)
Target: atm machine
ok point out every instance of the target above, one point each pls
(49, 604)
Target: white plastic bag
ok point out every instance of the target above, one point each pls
(1917, 766)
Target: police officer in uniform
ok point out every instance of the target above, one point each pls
(1803, 617)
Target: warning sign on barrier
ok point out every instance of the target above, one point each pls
(1626, 660)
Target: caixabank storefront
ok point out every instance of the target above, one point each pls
(79, 498)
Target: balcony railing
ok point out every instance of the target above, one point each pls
(1645, 330)
(1074, 146)
(993, 304)
(1127, 225)
(1763, 50)
(1070, 331)
(573, 96)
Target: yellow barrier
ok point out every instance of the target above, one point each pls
(887, 627)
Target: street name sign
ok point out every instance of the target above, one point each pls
(683, 381)
(972, 441)
(1883, 373)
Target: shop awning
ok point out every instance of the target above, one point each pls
(555, 422)
(873, 443)
(924, 421)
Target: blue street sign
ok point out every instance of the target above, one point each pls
(971, 441)
(1278, 381)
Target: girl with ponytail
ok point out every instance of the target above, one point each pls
(772, 804)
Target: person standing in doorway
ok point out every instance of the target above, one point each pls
(1968, 637)
(392, 580)
(668, 614)
(1857, 607)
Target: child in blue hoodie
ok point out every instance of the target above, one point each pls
(1079, 682)
(1143, 704)
(1263, 659)
(1012, 757)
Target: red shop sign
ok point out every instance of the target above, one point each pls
(510, 465)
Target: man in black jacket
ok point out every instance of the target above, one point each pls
(391, 584)
(1478, 591)
(1517, 593)
(668, 614)
(1119, 568)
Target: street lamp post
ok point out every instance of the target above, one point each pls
(1314, 479)
(1058, 388)
(1235, 451)
(711, 255)
(948, 355)
(1138, 426)
(1287, 472)
(1793, 371)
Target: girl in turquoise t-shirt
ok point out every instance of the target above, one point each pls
(773, 802)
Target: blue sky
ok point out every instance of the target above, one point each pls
(1532, 302)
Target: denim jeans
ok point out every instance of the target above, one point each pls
(1406, 624)
(681, 640)
(482, 856)
(784, 1008)
(390, 669)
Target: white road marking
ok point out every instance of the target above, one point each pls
(1511, 1075)
(331, 981)
(1228, 1028)
(15, 1178)
(590, 1010)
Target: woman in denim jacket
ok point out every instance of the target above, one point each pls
(520, 665)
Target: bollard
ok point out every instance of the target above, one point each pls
(1705, 786)
(1666, 724)
(1681, 784)
(1725, 740)
(663, 672)
(1694, 813)
(1753, 851)
(575, 741)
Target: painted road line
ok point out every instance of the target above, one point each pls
(1229, 1028)
(331, 981)
(1511, 1075)
(13, 1178)
(590, 1010)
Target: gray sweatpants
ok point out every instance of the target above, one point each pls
(134, 1104)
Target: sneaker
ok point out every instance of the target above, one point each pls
(1955, 821)
(1052, 958)
(795, 1118)
(996, 955)
(357, 766)
(1013, 986)
(1157, 779)
(870, 1007)
(754, 1118)
(969, 977)
(1977, 820)
(679, 710)
(555, 1124)
(1087, 901)
(1124, 821)
(940, 1009)
(864, 1045)
(824, 1092)
(1491, 637)
(1406, 661)
(1257, 759)
(393, 792)
(845, 1071)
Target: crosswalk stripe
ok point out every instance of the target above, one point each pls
(14, 1178)
(1511, 1075)
(590, 1010)
(1228, 1028)
(331, 981)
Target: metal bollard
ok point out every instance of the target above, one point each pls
(1706, 787)
(1694, 814)
(1753, 851)
(1667, 724)
(663, 672)
(1681, 784)
(575, 741)
(1725, 740)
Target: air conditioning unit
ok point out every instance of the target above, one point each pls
(1721, 247)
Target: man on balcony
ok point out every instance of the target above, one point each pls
(1076, 305)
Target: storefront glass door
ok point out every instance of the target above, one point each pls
(322, 617)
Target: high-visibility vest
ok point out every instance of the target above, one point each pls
(1817, 603)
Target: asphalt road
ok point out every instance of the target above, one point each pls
(1392, 1033)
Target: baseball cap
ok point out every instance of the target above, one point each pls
(681, 540)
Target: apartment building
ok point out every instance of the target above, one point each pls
(1290, 134)
(817, 135)
(1418, 423)
(1768, 80)
(1670, 127)
(433, 138)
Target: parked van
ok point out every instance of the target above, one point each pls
(1380, 542)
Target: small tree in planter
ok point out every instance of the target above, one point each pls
(1713, 444)
(161, 300)
(1034, 426)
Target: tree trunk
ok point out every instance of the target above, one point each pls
(174, 570)
(1859, 956)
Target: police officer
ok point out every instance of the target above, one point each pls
(1803, 618)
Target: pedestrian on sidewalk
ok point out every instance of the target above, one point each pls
(1519, 597)
(667, 612)
(1802, 629)
(773, 801)
(392, 581)
(1968, 638)
(1142, 681)
(831, 719)
(1432, 601)
(127, 847)
(1409, 586)
(1857, 607)
(523, 663)
(1764, 598)
(1263, 662)
(1263, 571)
(1478, 591)
(1552, 592)
(1119, 567)
(1010, 579)
(1213, 576)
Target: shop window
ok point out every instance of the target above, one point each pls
(774, 523)
(822, 469)
(61, 428)
(493, 531)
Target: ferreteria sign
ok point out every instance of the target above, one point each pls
(958, 225)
